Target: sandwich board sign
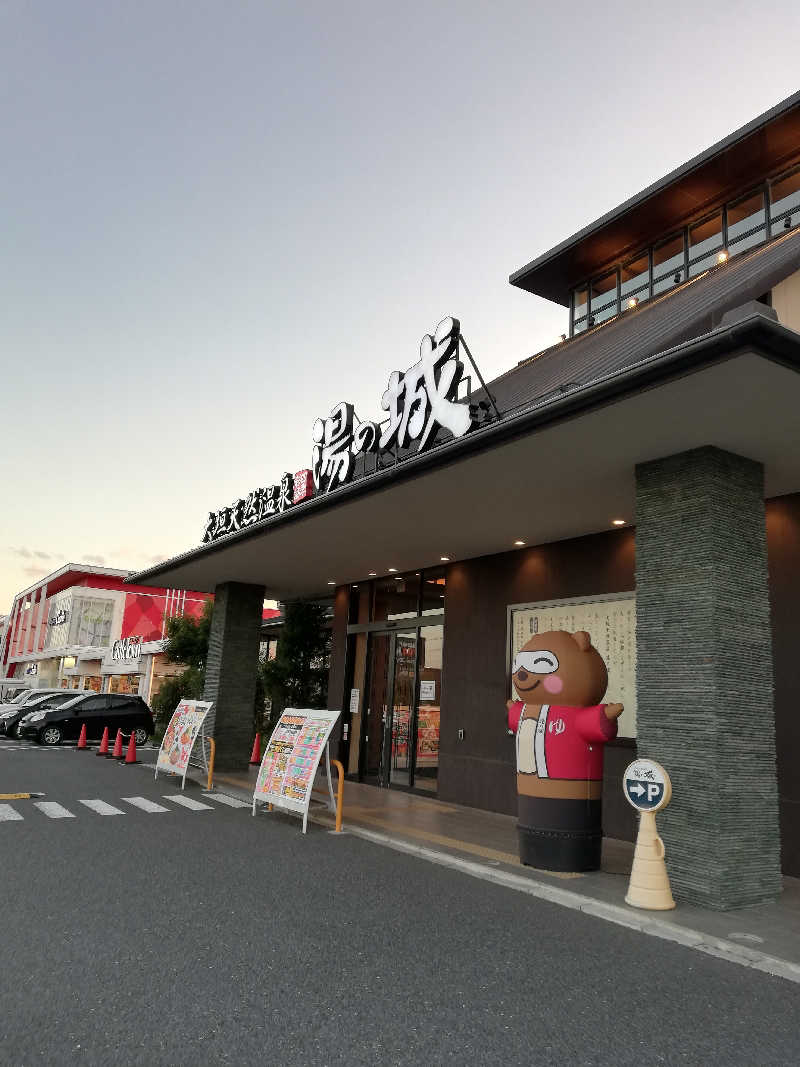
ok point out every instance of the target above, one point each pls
(185, 726)
(287, 771)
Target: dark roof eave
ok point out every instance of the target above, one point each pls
(520, 278)
(774, 341)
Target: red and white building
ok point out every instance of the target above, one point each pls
(83, 627)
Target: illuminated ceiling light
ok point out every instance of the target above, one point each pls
(444, 559)
(372, 574)
(617, 522)
(722, 257)
(331, 583)
(519, 544)
(633, 302)
(393, 570)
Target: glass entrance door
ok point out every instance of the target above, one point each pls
(400, 744)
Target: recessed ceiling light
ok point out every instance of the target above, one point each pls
(444, 559)
(331, 583)
(393, 570)
(618, 522)
(519, 544)
(373, 574)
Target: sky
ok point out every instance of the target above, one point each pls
(221, 219)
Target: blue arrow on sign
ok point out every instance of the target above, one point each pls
(644, 795)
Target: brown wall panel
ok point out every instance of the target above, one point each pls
(479, 770)
(783, 546)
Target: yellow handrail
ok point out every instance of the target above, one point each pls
(339, 795)
(211, 755)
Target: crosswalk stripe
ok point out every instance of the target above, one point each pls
(149, 806)
(8, 814)
(53, 810)
(222, 798)
(101, 807)
(187, 802)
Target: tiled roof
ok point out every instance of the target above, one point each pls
(686, 312)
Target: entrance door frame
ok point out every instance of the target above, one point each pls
(391, 628)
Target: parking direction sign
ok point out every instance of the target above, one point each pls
(646, 785)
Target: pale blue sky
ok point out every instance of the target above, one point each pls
(220, 219)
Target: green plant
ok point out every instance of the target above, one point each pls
(298, 675)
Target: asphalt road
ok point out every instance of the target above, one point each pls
(210, 937)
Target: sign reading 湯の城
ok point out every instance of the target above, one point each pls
(180, 736)
(127, 649)
(58, 618)
(419, 402)
(290, 762)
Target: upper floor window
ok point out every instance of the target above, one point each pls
(747, 222)
(705, 244)
(784, 203)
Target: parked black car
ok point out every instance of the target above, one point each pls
(12, 714)
(96, 710)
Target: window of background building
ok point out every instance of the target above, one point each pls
(90, 623)
(784, 200)
(705, 243)
(747, 222)
(668, 264)
(635, 280)
(604, 298)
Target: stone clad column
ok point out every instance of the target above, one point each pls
(704, 672)
(231, 670)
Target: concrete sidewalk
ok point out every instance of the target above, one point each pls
(484, 845)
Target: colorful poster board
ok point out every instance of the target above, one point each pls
(287, 771)
(610, 622)
(179, 739)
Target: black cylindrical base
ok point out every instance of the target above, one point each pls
(560, 835)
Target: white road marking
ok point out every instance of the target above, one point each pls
(53, 810)
(187, 802)
(146, 805)
(232, 802)
(8, 814)
(101, 807)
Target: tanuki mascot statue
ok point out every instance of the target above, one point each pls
(561, 729)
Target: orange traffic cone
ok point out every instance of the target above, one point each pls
(82, 738)
(117, 746)
(103, 750)
(130, 755)
(255, 755)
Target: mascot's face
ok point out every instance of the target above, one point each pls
(560, 668)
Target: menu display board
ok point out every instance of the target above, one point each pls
(287, 771)
(610, 622)
(180, 736)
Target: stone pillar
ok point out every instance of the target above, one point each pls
(231, 670)
(704, 672)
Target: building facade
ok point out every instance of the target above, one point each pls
(85, 628)
(640, 479)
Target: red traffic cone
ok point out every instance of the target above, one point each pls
(255, 755)
(117, 746)
(103, 750)
(82, 738)
(130, 755)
